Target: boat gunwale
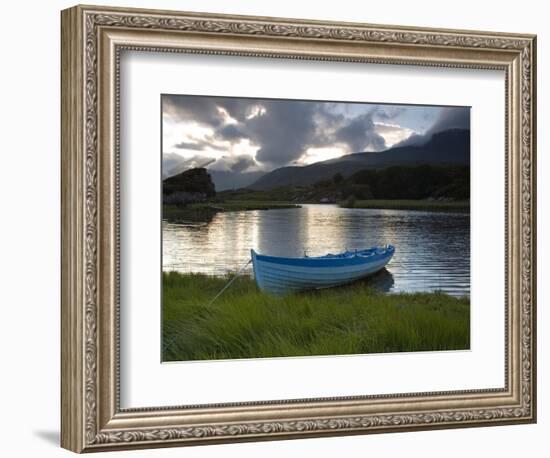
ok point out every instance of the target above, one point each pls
(323, 261)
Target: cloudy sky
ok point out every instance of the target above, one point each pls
(247, 135)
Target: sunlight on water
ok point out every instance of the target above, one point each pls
(432, 248)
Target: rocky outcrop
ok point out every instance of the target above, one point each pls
(191, 186)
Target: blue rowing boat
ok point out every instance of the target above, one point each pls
(279, 275)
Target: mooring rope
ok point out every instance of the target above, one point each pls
(227, 285)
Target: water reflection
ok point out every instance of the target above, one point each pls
(381, 281)
(432, 249)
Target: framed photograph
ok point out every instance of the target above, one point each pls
(278, 228)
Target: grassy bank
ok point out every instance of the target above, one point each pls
(401, 204)
(284, 194)
(293, 195)
(245, 323)
(205, 211)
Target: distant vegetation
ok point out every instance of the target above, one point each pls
(403, 204)
(246, 323)
(205, 211)
(422, 182)
(191, 195)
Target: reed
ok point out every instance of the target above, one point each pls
(354, 319)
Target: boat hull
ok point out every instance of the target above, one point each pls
(278, 275)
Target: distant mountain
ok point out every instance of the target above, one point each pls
(225, 180)
(449, 147)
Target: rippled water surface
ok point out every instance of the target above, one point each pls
(432, 249)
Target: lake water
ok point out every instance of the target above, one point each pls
(432, 249)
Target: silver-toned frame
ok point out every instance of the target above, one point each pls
(92, 40)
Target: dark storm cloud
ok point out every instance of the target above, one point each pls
(239, 109)
(449, 118)
(238, 164)
(452, 118)
(360, 134)
(231, 132)
(194, 146)
(387, 113)
(281, 129)
(172, 163)
(284, 131)
(170, 160)
(206, 110)
(242, 163)
(199, 109)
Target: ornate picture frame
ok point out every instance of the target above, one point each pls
(92, 41)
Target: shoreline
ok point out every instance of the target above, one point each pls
(205, 211)
(353, 319)
(409, 204)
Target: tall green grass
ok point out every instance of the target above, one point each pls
(355, 319)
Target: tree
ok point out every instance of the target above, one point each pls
(338, 178)
(350, 202)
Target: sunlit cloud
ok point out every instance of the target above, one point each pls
(244, 146)
(227, 119)
(313, 155)
(255, 111)
(245, 134)
(392, 133)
